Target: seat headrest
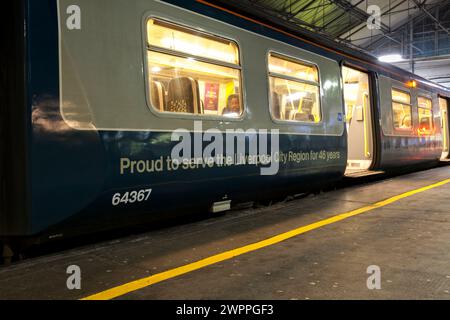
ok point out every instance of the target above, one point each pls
(276, 106)
(158, 95)
(183, 96)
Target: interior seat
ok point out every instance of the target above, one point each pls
(158, 95)
(276, 106)
(183, 96)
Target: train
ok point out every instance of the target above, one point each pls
(120, 113)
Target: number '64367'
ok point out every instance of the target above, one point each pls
(131, 197)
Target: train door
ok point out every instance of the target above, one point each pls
(445, 127)
(358, 109)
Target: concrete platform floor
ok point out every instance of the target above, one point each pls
(409, 240)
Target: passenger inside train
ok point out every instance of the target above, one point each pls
(193, 73)
(233, 107)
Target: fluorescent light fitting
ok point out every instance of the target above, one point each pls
(390, 58)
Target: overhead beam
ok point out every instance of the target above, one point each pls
(358, 13)
(291, 14)
(419, 16)
(250, 6)
(422, 7)
(383, 14)
(340, 16)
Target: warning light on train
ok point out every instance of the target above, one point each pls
(412, 84)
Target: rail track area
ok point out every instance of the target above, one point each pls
(386, 239)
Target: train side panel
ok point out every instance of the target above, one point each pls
(407, 147)
(94, 116)
(96, 154)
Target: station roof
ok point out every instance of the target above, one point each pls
(415, 29)
(345, 21)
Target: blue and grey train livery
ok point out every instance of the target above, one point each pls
(118, 113)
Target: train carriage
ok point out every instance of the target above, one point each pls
(98, 96)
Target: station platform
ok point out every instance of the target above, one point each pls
(318, 247)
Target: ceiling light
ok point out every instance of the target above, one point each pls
(390, 58)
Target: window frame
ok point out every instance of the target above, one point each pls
(423, 96)
(402, 130)
(196, 30)
(281, 76)
(444, 101)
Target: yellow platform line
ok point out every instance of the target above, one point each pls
(170, 274)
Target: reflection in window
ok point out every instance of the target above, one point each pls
(192, 73)
(293, 69)
(295, 90)
(444, 123)
(402, 113)
(425, 108)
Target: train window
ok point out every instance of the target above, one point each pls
(293, 69)
(401, 105)
(425, 108)
(192, 72)
(294, 90)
